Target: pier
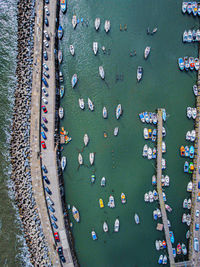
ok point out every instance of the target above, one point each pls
(159, 187)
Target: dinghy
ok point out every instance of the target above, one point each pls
(94, 236)
(81, 103)
(62, 91)
(61, 112)
(63, 163)
(116, 130)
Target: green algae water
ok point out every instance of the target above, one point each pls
(119, 158)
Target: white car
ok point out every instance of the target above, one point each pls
(47, 10)
(44, 100)
(46, 43)
(197, 213)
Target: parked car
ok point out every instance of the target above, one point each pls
(45, 65)
(46, 74)
(198, 197)
(199, 185)
(46, 43)
(196, 244)
(43, 135)
(46, 35)
(46, 1)
(44, 169)
(45, 55)
(51, 208)
(197, 213)
(62, 258)
(43, 144)
(44, 127)
(46, 179)
(56, 235)
(44, 91)
(54, 225)
(48, 190)
(44, 100)
(45, 119)
(45, 82)
(53, 218)
(47, 11)
(197, 226)
(44, 109)
(46, 22)
(49, 200)
(60, 251)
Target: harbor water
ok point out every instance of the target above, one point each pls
(119, 158)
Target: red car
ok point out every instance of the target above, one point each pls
(43, 144)
(56, 235)
(44, 109)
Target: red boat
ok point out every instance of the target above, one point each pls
(179, 248)
(164, 244)
(182, 150)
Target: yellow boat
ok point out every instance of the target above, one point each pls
(101, 203)
(123, 198)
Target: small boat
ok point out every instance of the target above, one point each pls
(91, 158)
(59, 56)
(174, 252)
(149, 133)
(161, 244)
(154, 154)
(150, 117)
(195, 90)
(163, 164)
(105, 227)
(153, 180)
(146, 197)
(137, 219)
(97, 23)
(101, 72)
(191, 62)
(116, 225)
(185, 203)
(141, 116)
(165, 260)
(101, 203)
(155, 119)
(151, 198)
(94, 236)
(149, 153)
(105, 113)
(160, 260)
(75, 214)
(189, 112)
(71, 49)
(147, 52)
(145, 151)
(154, 30)
(178, 249)
(184, 7)
(60, 32)
(186, 167)
(184, 218)
(107, 26)
(193, 135)
(186, 63)
(182, 151)
(198, 31)
(154, 134)
(189, 187)
(189, 8)
(188, 136)
(184, 249)
(187, 151)
(189, 36)
(123, 198)
(163, 132)
(189, 204)
(60, 76)
(195, 10)
(146, 134)
(61, 112)
(62, 91)
(164, 244)
(74, 80)
(164, 197)
(155, 215)
(194, 113)
(196, 63)
(166, 180)
(118, 111)
(93, 178)
(163, 147)
(86, 139)
(116, 130)
(168, 208)
(194, 35)
(146, 116)
(111, 202)
(139, 73)
(185, 36)
(103, 181)
(171, 234)
(63, 163)
(181, 63)
(90, 104)
(191, 152)
(187, 234)
(157, 245)
(74, 21)
(63, 5)
(81, 103)
(164, 114)
(80, 159)
(95, 47)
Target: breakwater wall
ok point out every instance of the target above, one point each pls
(20, 138)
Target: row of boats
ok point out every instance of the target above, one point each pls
(188, 63)
(191, 113)
(187, 203)
(164, 180)
(190, 135)
(148, 117)
(111, 202)
(191, 8)
(187, 151)
(191, 36)
(91, 158)
(97, 24)
(149, 134)
(186, 218)
(153, 196)
(188, 167)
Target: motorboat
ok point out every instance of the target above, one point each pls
(60, 56)
(184, 7)
(161, 244)
(94, 236)
(74, 80)
(184, 249)
(198, 8)
(189, 187)
(163, 147)
(189, 8)
(162, 180)
(164, 260)
(163, 164)
(194, 35)
(174, 252)
(153, 180)
(91, 158)
(63, 5)
(195, 90)
(93, 178)
(189, 36)
(123, 198)
(191, 167)
(74, 21)
(194, 113)
(157, 245)
(185, 36)
(155, 215)
(186, 63)
(60, 32)
(107, 26)
(147, 52)
(182, 151)
(189, 204)
(181, 63)
(105, 113)
(90, 104)
(185, 203)
(193, 135)
(145, 151)
(60, 76)
(198, 31)
(146, 134)
(184, 218)
(81, 103)
(150, 133)
(95, 47)
(178, 249)
(86, 139)
(137, 219)
(151, 198)
(116, 130)
(195, 10)
(101, 72)
(166, 180)
(168, 208)
(97, 23)
(164, 114)
(139, 73)
(154, 154)
(71, 49)
(75, 214)
(103, 181)
(187, 151)
(61, 112)
(149, 153)
(164, 244)
(111, 202)
(186, 167)
(191, 62)
(101, 203)
(62, 91)
(146, 197)
(105, 227)
(160, 260)
(189, 112)
(187, 234)
(80, 159)
(154, 30)
(171, 234)
(163, 132)
(191, 152)
(164, 197)
(155, 119)
(146, 116)
(116, 226)
(159, 213)
(188, 136)
(188, 219)
(118, 111)
(196, 64)
(150, 117)
(63, 163)
(141, 116)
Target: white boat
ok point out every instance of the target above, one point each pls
(166, 180)
(86, 139)
(107, 25)
(185, 36)
(154, 180)
(168, 208)
(90, 104)
(193, 135)
(146, 133)
(111, 202)
(163, 164)
(163, 147)
(188, 136)
(81, 103)
(189, 187)
(101, 72)
(63, 163)
(118, 111)
(74, 80)
(198, 35)
(151, 198)
(91, 157)
(157, 245)
(189, 36)
(159, 213)
(116, 130)
(80, 159)
(189, 204)
(146, 197)
(194, 113)
(75, 214)
(164, 260)
(59, 56)
(189, 112)
(105, 227)
(94, 236)
(103, 181)
(137, 219)
(71, 49)
(149, 153)
(61, 112)
(116, 225)
(164, 197)
(97, 23)
(184, 249)
(195, 90)
(105, 113)
(95, 47)
(184, 7)
(145, 151)
(163, 132)
(184, 218)
(139, 73)
(147, 51)
(185, 203)
(74, 21)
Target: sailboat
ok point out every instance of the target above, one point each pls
(74, 21)
(91, 157)
(95, 47)
(116, 225)
(137, 219)
(147, 52)
(80, 159)
(86, 139)
(105, 227)
(75, 214)
(63, 163)
(101, 72)
(107, 26)
(97, 23)
(74, 80)
(105, 113)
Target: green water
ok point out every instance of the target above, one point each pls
(119, 158)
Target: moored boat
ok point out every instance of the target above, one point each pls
(101, 203)
(189, 112)
(59, 56)
(61, 112)
(111, 202)
(195, 90)
(191, 152)
(63, 163)
(137, 219)
(60, 32)
(105, 227)
(63, 5)
(157, 244)
(60, 76)
(185, 203)
(149, 153)
(139, 73)
(181, 63)
(95, 47)
(107, 26)
(75, 214)
(62, 91)
(179, 249)
(103, 181)
(163, 147)
(94, 236)
(188, 136)
(74, 21)
(146, 134)
(118, 111)
(97, 23)
(189, 36)
(81, 103)
(145, 151)
(90, 104)
(184, 7)
(91, 158)
(86, 139)
(171, 234)
(147, 52)
(165, 260)
(71, 49)
(194, 113)
(189, 8)
(189, 204)
(116, 130)
(116, 225)
(196, 64)
(74, 80)
(146, 197)
(182, 151)
(193, 135)
(80, 159)
(123, 198)
(185, 36)
(184, 249)
(105, 113)
(101, 72)
(160, 260)
(189, 187)
(186, 167)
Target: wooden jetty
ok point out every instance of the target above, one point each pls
(159, 187)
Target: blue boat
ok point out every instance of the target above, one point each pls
(154, 134)
(189, 8)
(187, 151)
(60, 32)
(181, 63)
(186, 167)
(164, 115)
(174, 252)
(171, 237)
(94, 236)
(74, 80)
(93, 178)
(62, 91)
(146, 116)
(191, 152)
(160, 260)
(141, 115)
(63, 5)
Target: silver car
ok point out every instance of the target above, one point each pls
(44, 100)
